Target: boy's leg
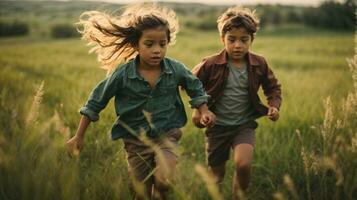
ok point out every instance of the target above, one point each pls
(218, 144)
(243, 148)
(166, 161)
(141, 163)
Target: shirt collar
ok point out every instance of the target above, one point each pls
(222, 58)
(132, 72)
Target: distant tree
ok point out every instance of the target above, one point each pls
(332, 15)
(293, 16)
(63, 31)
(13, 29)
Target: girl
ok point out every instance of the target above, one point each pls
(145, 88)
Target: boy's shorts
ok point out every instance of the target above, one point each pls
(142, 159)
(220, 140)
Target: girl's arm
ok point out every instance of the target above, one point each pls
(207, 117)
(75, 144)
(194, 88)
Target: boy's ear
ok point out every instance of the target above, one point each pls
(222, 39)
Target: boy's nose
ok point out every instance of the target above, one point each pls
(237, 44)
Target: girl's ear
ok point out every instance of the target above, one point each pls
(135, 47)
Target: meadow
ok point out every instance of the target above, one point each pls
(310, 153)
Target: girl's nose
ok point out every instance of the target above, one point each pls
(157, 49)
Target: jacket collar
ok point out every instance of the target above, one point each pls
(222, 58)
(132, 68)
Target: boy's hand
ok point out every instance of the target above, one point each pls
(273, 113)
(207, 118)
(75, 145)
(196, 118)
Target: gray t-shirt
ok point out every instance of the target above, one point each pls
(234, 107)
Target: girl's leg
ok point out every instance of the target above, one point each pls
(243, 156)
(166, 161)
(141, 164)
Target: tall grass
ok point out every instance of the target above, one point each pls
(308, 154)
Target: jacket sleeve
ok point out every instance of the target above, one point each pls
(271, 87)
(201, 73)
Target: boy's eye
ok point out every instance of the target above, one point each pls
(231, 39)
(148, 44)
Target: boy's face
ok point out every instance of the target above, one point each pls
(152, 46)
(237, 42)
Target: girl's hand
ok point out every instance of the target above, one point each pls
(196, 118)
(75, 145)
(207, 118)
(273, 113)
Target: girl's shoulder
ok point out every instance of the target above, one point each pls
(173, 64)
(122, 69)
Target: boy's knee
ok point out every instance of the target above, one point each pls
(242, 166)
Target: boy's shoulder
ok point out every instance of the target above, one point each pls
(214, 58)
(256, 59)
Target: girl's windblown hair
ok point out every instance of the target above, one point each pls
(114, 38)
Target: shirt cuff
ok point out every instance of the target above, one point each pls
(93, 116)
(196, 102)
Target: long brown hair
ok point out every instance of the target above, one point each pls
(114, 38)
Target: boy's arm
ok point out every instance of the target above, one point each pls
(200, 72)
(272, 90)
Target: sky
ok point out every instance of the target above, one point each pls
(235, 2)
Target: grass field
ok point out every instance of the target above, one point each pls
(310, 64)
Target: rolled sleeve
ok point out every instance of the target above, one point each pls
(193, 87)
(100, 97)
(197, 101)
(93, 116)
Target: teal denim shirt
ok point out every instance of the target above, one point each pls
(133, 95)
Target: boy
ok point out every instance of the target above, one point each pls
(232, 79)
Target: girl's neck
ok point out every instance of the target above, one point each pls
(144, 66)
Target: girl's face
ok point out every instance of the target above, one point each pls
(152, 46)
(237, 42)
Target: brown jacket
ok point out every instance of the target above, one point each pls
(213, 72)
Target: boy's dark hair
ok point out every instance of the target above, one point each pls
(236, 17)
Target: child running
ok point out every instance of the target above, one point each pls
(232, 78)
(146, 90)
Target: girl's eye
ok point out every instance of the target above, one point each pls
(163, 44)
(148, 44)
(231, 40)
